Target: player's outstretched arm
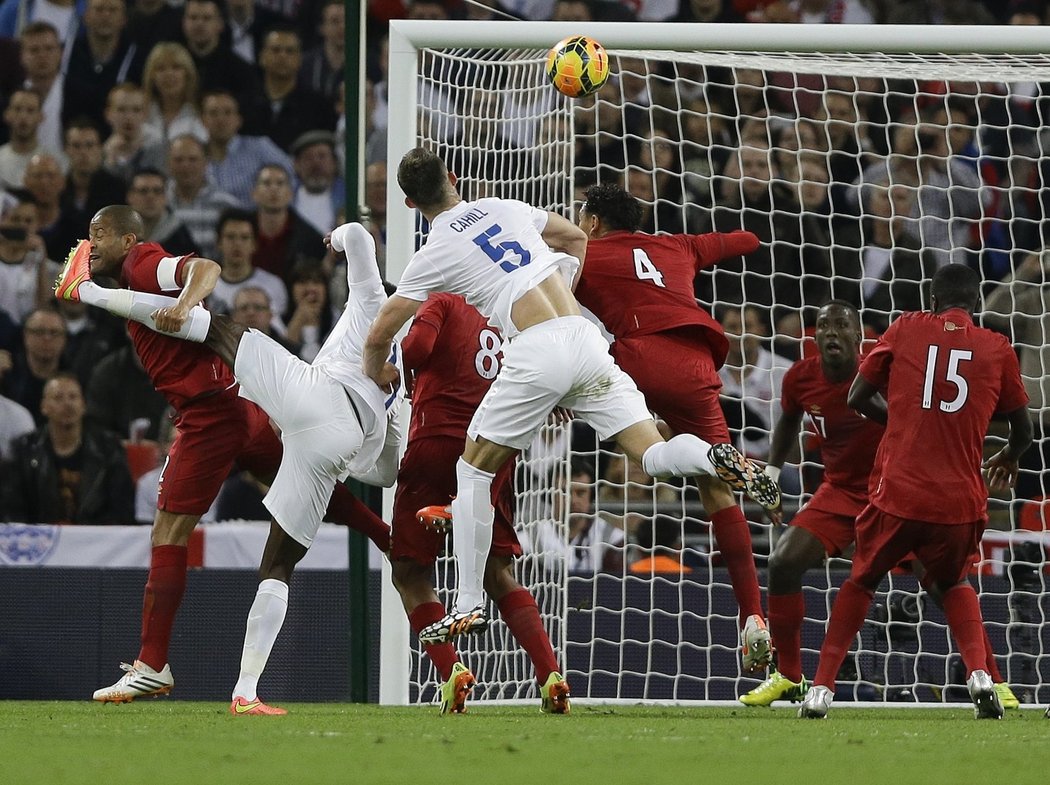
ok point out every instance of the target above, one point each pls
(392, 317)
(864, 397)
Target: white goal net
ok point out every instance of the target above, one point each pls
(863, 158)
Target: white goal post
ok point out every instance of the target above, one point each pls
(864, 157)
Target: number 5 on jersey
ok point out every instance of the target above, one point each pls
(502, 253)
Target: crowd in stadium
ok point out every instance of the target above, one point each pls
(222, 124)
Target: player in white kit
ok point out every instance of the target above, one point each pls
(517, 265)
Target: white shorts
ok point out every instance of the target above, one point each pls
(319, 430)
(562, 362)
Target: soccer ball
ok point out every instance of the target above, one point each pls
(577, 65)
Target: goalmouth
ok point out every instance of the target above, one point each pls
(860, 143)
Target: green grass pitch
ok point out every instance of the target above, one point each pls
(157, 742)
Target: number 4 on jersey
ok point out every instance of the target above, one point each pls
(645, 270)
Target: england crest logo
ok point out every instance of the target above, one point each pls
(21, 544)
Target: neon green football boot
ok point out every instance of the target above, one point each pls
(455, 691)
(554, 695)
(1006, 696)
(776, 688)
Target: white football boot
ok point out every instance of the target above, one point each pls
(986, 702)
(140, 680)
(816, 703)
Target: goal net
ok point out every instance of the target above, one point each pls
(863, 158)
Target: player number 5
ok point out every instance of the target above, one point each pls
(645, 270)
(502, 253)
(955, 356)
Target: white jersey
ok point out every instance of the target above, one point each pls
(341, 357)
(491, 252)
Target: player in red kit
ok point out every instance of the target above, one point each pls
(454, 355)
(641, 287)
(816, 387)
(944, 379)
(215, 428)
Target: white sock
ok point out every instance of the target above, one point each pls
(265, 620)
(138, 306)
(472, 520)
(684, 455)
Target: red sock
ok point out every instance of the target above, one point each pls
(990, 664)
(963, 612)
(348, 510)
(160, 603)
(443, 655)
(522, 617)
(847, 616)
(786, 612)
(734, 541)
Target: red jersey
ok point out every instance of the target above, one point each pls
(847, 441)
(639, 284)
(944, 378)
(454, 355)
(180, 370)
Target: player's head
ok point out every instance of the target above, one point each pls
(113, 232)
(609, 208)
(955, 286)
(838, 333)
(425, 180)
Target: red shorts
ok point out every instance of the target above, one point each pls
(428, 476)
(677, 375)
(883, 540)
(831, 517)
(211, 436)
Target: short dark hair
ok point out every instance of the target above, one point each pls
(235, 214)
(122, 218)
(616, 208)
(847, 305)
(579, 465)
(956, 286)
(149, 171)
(423, 177)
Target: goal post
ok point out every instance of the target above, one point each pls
(864, 157)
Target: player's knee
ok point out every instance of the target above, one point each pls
(785, 572)
(499, 578)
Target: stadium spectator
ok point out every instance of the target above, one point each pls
(280, 108)
(216, 426)
(592, 543)
(449, 383)
(572, 11)
(641, 287)
(752, 378)
(236, 244)
(121, 398)
(661, 539)
(89, 186)
(102, 56)
(148, 196)
(90, 337)
(233, 159)
(707, 11)
(132, 145)
(23, 116)
(68, 471)
(45, 181)
(63, 15)
(1019, 306)
(40, 358)
(320, 195)
(939, 12)
(41, 58)
(944, 379)
(248, 22)
(15, 421)
(584, 379)
(283, 238)
(323, 63)
(194, 201)
(153, 21)
(252, 308)
(26, 274)
(172, 84)
(308, 317)
(375, 200)
(217, 66)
